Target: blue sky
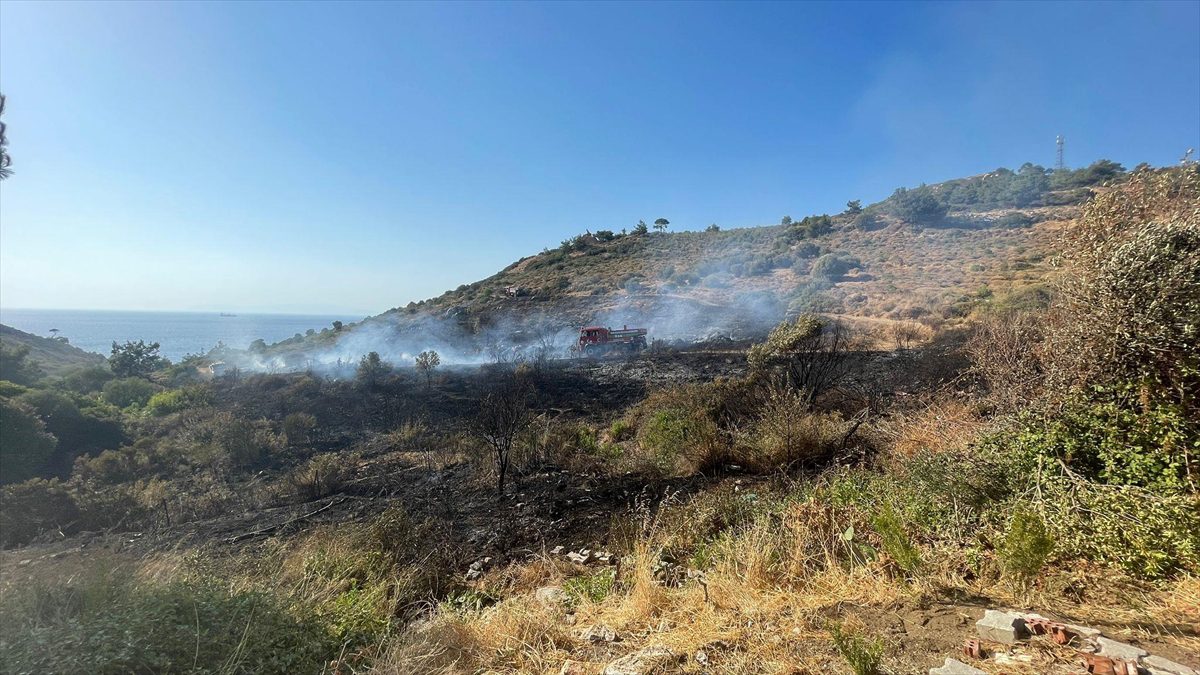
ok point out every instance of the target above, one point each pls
(353, 157)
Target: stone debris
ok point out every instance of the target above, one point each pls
(572, 667)
(557, 550)
(1119, 650)
(600, 633)
(1157, 665)
(641, 662)
(955, 667)
(1003, 627)
(549, 595)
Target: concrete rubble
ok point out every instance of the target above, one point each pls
(1013, 628)
(955, 667)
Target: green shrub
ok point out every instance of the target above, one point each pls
(864, 655)
(175, 400)
(895, 540)
(129, 391)
(590, 587)
(1026, 546)
(621, 430)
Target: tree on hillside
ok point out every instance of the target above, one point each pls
(372, 369)
(426, 362)
(854, 207)
(5, 158)
(641, 227)
(917, 206)
(713, 228)
(135, 359)
(661, 224)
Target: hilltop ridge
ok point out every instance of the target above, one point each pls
(928, 254)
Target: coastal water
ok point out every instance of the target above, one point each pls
(178, 333)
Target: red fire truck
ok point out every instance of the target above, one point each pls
(598, 340)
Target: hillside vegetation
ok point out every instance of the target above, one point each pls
(928, 254)
(827, 499)
(50, 356)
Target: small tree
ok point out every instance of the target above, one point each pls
(427, 361)
(713, 228)
(810, 355)
(372, 369)
(337, 325)
(854, 207)
(641, 227)
(135, 359)
(661, 224)
(503, 415)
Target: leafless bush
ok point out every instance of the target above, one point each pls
(503, 415)
(1004, 351)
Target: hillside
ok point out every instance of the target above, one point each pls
(922, 258)
(54, 357)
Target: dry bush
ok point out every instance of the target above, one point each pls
(906, 334)
(787, 432)
(320, 476)
(1005, 352)
(944, 424)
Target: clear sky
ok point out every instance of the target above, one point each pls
(352, 157)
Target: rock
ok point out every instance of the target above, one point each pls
(571, 667)
(955, 667)
(1002, 627)
(1119, 650)
(1157, 665)
(600, 633)
(641, 662)
(701, 657)
(1083, 631)
(477, 566)
(549, 595)
(472, 575)
(557, 550)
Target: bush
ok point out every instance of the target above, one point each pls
(834, 265)
(918, 207)
(25, 446)
(32, 507)
(86, 379)
(1026, 546)
(786, 431)
(679, 429)
(864, 655)
(298, 428)
(176, 400)
(895, 540)
(129, 391)
(319, 477)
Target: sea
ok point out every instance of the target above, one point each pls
(178, 333)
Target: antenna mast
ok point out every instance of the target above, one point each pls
(1058, 164)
